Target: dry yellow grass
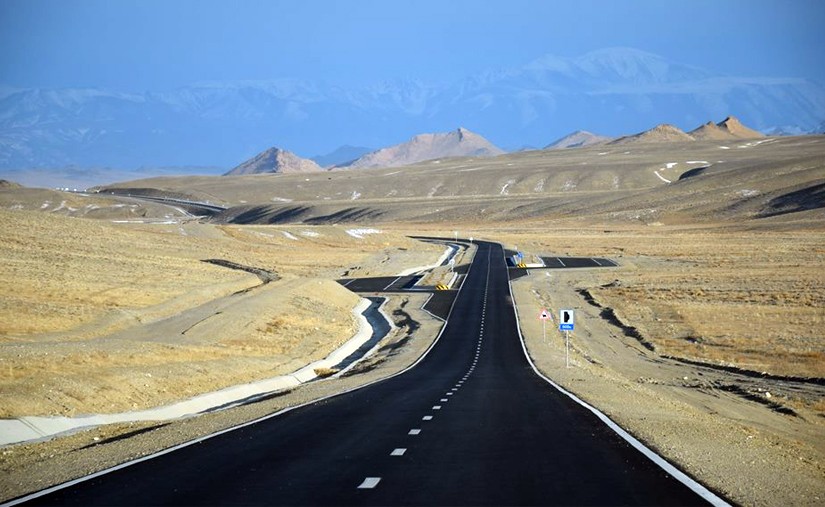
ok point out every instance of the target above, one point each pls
(752, 299)
(103, 317)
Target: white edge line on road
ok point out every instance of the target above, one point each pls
(58, 487)
(391, 283)
(661, 462)
(430, 313)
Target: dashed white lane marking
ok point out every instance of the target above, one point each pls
(436, 407)
(427, 418)
(369, 483)
(454, 389)
(398, 452)
(561, 262)
(444, 400)
(449, 394)
(414, 432)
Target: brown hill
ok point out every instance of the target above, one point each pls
(275, 160)
(9, 184)
(577, 139)
(711, 131)
(735, 128)
(458, 143)
(664, 133)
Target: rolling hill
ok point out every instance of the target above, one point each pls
(458, 143)
(670, 182)
(275, 160)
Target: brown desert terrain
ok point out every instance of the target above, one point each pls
(705, 342)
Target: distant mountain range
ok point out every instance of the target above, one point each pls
(611, 91)
(458, 143)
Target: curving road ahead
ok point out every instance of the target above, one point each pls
(471, 424)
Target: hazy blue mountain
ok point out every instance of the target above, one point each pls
(341, 156)
(613, 91)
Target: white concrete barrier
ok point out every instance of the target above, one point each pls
(32, 428)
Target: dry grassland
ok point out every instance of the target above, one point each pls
(751, 299)
(705, 300)
(103, 317)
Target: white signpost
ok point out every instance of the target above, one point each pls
(544, 316)
(566, 324)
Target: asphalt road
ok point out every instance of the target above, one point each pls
(472, 424)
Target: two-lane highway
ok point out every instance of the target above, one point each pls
(471, 424)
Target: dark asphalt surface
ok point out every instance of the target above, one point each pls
(470, 425)
(577, 262)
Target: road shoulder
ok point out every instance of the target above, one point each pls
(732, 445)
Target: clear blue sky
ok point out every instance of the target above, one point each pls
(156, 45)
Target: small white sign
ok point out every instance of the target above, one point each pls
(566, 320)
(544, 315)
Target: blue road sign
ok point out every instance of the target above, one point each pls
(566, 320)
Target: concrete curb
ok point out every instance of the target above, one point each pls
(441, 260)
(34, 428)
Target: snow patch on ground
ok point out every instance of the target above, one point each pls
(506, 185)
(616, 182)
(569, 185)
(310, 234)
(434, 190)
(46, 204)
(63, 206)
(539, 186)
(671, 165)
(289, 236)
(656, 172)
(281, 199)
(748, 193)
(724, 147)
(355, 195)
(754, 143)
(697, 162)
(360, 233)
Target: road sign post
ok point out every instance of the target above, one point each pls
(544, 316)
(566, 324)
